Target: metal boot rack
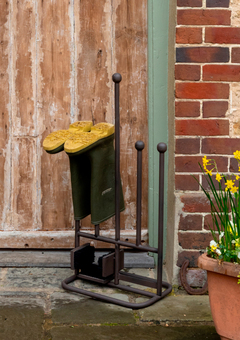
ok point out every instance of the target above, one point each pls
(112, 263)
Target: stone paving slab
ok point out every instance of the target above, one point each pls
(181, 309)
(21, 323)
(134, 333)
(61, 259)
(34, 298)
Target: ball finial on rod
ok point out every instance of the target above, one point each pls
(162, 147)
(117, 77)
(139, 145)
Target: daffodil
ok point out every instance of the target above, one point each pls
(209, 172)
(218, 177)
(237, 155)
(205, 161)
(234, 189)
(229, 184)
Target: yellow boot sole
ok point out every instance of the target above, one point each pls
(55, 140)
(78, 142)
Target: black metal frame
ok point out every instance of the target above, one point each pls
(158, 284)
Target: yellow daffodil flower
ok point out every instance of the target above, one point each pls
(218, 177)
(205, 161)
(234, 189)
(229, 184)
(237, 155)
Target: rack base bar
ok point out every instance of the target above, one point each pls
(153, 297)
(121, 243)
(138, 279)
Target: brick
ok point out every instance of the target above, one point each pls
(189, 3)
(202, 91)
(192, 256)
(203, 17)
(190, 240)
(202, 54)
(206, 185)
(188, 35)
(201, 127)
(234, 165)
(195, 203)
(191, 163)
(221, 72)
(215, 109)
(208, 223)
(222, 35)
(187, 72)
(217, 3)
(190, 222)
(235, 55)
(220, 146)
(187, 146)
(187, 109)
(186, 182)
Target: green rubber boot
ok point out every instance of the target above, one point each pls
(54, 142)
(97, 147)
(80, 166)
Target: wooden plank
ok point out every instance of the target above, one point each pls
(24, 184)
(93, 30)
(5, 169)
(23, 56)
(58, 239)
(54, 105)
(61, 259)
(94, 57)
(130, 58)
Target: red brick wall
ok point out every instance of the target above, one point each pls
(207, 65)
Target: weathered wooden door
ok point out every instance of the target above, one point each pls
(56, 66)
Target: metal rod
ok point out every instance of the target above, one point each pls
(122, 243)
(77, 241)
(97, 230)
(77, 227)
(153, 298)
(139, 146)
(117, 78)
(138, 279)
(162, 148)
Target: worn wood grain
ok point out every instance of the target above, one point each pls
(5, 152)
(57, 60)
(23, 56)
(130, 53)
(54, 98)
(24, 205)
(93, 33)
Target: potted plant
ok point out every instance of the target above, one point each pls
(222, 260)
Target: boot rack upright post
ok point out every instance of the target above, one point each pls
(117, 256)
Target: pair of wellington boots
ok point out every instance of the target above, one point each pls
(92, 166)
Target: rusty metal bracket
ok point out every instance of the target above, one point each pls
(183, 279)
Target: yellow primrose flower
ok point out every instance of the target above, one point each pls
(218, 177)
(234, 189)
(237, 155)
(237, 177)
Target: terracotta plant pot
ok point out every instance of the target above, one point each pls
(224, 296)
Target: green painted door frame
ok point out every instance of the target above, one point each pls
(158, 19)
